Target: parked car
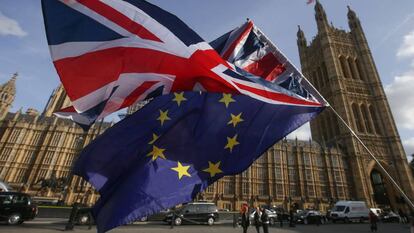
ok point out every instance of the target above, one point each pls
(310, 217)
(272, 216)
(15, 208)
(84, 216)
(156, 217)
(390, 216)
(197, 212)
(347, 211)
(4, 187)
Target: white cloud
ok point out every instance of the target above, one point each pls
(407, 48)
(302, 133)
(10, 27)
(409, 146)
(401, 97)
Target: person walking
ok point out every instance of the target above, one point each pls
(373, 219)
(280, 218)
(245, 222)
(256, 219)
(403, 217)
(264, 218)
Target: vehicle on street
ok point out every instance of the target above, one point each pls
(156, 217)
(347, 211)
(4, 187)
(84, 216)
(376, 211)
(310, 217)
(272, 216)
(196, 212)
(390, 216)
(15, 208)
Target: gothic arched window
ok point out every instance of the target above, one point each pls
(344, 67)
(357, 118)
(353, 68)
(366, 119)
(374, 119)
(359, 67)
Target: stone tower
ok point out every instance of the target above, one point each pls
(57, 101)
(7, 94)
(340, 65)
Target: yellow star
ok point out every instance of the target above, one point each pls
(156, 152)
(213, 169)
(231, 142)
(235, 119)
(154, 138)
(179, 97)
(227, 100)
(163, 117)
(182, 170)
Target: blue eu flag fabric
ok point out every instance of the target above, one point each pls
(176, 146)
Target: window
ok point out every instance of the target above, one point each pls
(308, 175)
(322, 176)
(324, 191)
(357, 118)
(306, 160)
(293, 190)
(366, 119)
(262, 173)
(319, 161)
(263, 189)
(56, 139)
(360, 71)
(310, 191)
(279, 189)
(335, 162)
(344, 67)
(278, 173)
(228, 187)
(291, 159)
(15, 134)
(292, 175)
(337, 176)
(210, 189)
(278, 158)
(374, 119)
(245, 188)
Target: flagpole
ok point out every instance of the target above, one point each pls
(406, 198)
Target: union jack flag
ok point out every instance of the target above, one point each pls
(110, 54)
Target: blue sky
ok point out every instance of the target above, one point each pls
(389, 28)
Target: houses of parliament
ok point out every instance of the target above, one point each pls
(37, 148)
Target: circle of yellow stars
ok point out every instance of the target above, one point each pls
(182, 170)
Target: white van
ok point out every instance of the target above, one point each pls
(349, 210)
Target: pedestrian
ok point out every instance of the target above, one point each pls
(403, 217)
(291, 218)
(256, 219)
(412, 224)
(245, 221)
(264, 218)
(373, 219)
(280, 218)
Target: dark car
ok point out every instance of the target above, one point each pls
(160, 216)
(310, 217)
(84, 216)
(390, 216)
(197, 212)
(15, 208)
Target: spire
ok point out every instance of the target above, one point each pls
(301, 37)
(10, 86)
(320, 16)
(353, 19)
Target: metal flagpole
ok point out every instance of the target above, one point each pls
(406, 198)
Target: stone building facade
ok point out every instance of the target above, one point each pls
(312, 174)
(37, 150)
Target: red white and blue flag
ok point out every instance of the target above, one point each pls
(110, 54)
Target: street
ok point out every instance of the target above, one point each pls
(54, 225)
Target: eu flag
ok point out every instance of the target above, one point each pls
(176, 146)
